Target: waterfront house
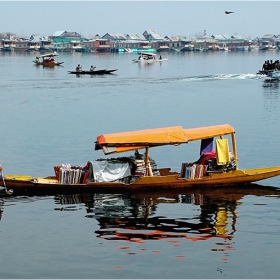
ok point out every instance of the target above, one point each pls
(13, 42)
(186, 44)
(168, 44)
(234, 43)
(152, 35)
(8, 45)
(205, 43)
(7, 41)
(162, 45)
(173, 43)
(114, 37)
(39, 42)
(66, 41)
(135, 37)
(132, 46)
(267, 42)
(137, 43)
(223, 41)
(97, 44)
(128, 43)
(21, 44)
(115, 40)
(159, 42)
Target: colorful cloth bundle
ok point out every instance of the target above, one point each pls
(67, 174)
(193, 171)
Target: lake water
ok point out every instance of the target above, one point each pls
(49, 117)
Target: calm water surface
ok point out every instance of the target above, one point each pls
(50, 117)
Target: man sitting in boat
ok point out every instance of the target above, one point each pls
(265, 66)
(276, 65)
(92, 68)
(79, 68)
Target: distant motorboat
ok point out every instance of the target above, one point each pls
(271, 70)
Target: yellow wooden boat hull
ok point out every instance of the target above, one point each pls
(146, 139)
(49, 64)
(167, 180)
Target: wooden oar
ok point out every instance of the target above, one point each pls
(4, 183)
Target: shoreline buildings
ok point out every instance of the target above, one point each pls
(149, 41)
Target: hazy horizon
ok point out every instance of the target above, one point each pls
(185, 18)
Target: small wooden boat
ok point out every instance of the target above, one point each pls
(47, 60)
(94, 72)
(215, 167)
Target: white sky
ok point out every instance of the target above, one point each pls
(187, 18)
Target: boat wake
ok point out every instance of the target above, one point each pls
(223, 77)
(54, 84)
(206, 78)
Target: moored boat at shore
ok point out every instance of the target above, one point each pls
(216, 166)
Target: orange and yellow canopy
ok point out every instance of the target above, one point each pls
(134, 140)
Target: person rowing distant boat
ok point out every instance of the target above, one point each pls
(79, 67)
(92, 68)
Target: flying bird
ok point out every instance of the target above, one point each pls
(228, 12)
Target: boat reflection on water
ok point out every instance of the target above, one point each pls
(134, 216)
(271, 83)
(1, 208)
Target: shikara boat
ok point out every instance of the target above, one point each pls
(148, 58)
(217, 164)
(94, 72)
(47, 60)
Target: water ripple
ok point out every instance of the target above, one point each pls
(54, 84)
